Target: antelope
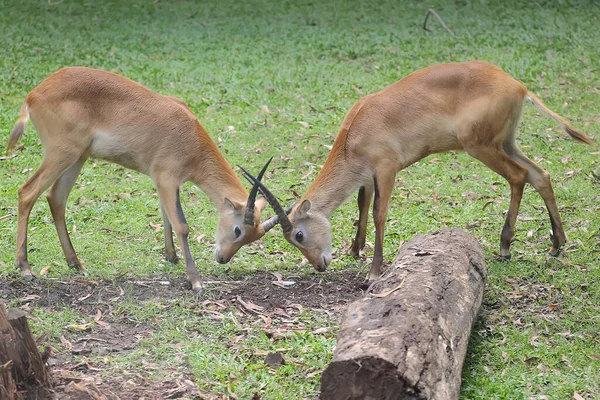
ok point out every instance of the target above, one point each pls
(472, 106)
(81, 112)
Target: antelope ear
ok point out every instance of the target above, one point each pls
(304, 207)
(233, 205)
(261, 203)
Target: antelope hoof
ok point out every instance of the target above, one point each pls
(505, 254)
(366, 284)
(356, 247)
(77, 265)
(173, 259)
(354, 250)
(554, 251)
(197, 287)
(25, 268)
(373, 276)
(27, 276)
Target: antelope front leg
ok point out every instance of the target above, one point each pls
(170, 253)
(57, 199)
(365, 194)
(384, 185)
(169, 197)
(29, 192)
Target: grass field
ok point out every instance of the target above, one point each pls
(275, 78)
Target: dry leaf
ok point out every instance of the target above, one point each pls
(79, 327)
(157, 227)
(296, 306)
(231, 394)
(199, 237)
(214, 315)
(277, 275)
(30, 297)
(66, 343)
(103, 324)
(250, 306)
(99, 322)
(84, 297)
(45, 270)
(577, 396)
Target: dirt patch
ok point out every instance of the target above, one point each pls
(271, 290)
(274, 299)
(524, 303)
(114, 388)
(327, 292)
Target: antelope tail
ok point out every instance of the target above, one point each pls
(19, 128)
(565, 125)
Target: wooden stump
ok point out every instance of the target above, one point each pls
(21, 363)
(407, 338)
(8, 387)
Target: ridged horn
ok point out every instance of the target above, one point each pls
(274, 220)
(281, 215)
(249, 214)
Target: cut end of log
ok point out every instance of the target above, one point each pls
(365, 378)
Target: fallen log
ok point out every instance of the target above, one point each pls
(407, 338)
(21, 364)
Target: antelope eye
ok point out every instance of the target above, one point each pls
(299, 236)
(237, 231)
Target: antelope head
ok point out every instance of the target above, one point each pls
(240, 223)
(306, 228)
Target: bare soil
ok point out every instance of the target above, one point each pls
(77, 377)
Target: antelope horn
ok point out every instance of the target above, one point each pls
(274, 220)
(249, 214)
(282, 218)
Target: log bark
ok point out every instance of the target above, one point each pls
(21, 363)
(407, 338)
(8, 388)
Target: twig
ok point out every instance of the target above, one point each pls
(385, 294)
(430, 11)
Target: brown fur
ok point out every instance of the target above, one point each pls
(82, 112)
(472, 106)
(18, 130)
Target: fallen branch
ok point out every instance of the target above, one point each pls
(430, 11)
(410, 342)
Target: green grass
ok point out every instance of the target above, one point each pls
(262, 67)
